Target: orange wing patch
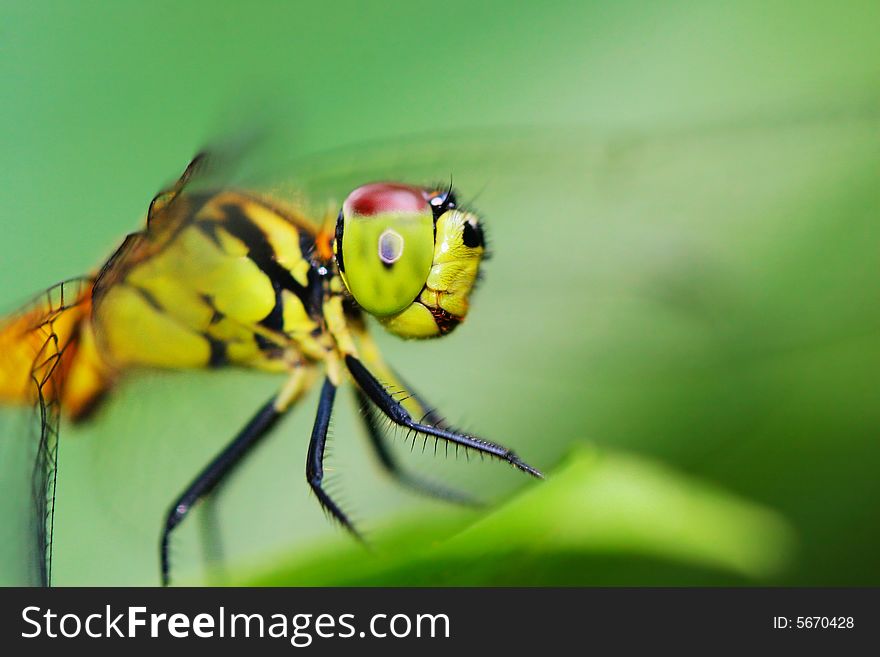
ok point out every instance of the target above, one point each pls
(50, 344)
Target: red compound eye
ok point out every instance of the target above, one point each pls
(377, 198)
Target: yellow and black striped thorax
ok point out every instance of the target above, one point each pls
(215, 279)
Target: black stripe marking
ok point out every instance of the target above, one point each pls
(209, 230)
(149, 298)
(274, 321)
(218, 347)
(269, 348)
(218, 351)
(260, 251)
(216, 315)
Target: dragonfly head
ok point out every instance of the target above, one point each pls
(409, 256)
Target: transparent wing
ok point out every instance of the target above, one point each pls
(641, 286)
(35, 342)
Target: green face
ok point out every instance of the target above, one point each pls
(385, 245)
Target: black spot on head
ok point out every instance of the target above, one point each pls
(472, 235)
(340, 228)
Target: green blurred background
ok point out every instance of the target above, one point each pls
(679, 323)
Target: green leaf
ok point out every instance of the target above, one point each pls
(599, 518)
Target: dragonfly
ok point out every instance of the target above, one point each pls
(617, 250)
(228, 277)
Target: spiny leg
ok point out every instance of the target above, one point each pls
(375, 422)
(386, 458)
(315, 458)
(217, 471)
(398, 414)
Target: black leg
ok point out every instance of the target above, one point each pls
(398, 414)
(315, 459)
(389, 463)
(213, 474)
